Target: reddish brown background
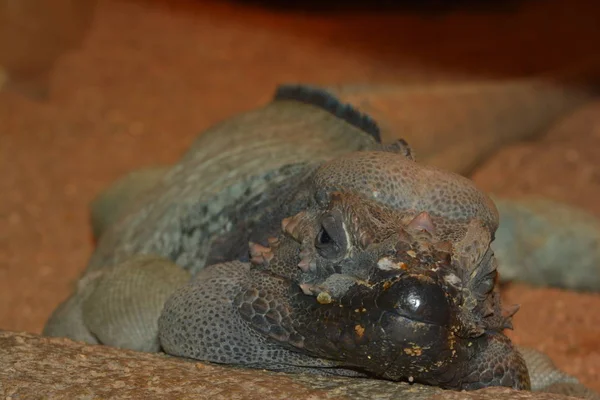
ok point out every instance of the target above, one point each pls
(152, 75)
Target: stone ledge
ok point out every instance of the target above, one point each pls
(34, 366)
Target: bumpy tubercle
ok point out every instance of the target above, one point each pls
(260, 255)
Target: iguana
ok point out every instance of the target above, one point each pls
(252, 200)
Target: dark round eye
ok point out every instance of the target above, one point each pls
(418, 300)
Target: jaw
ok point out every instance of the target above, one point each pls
(491, 360)
(425, 348)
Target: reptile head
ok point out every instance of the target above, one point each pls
(339, 234)
(383, 292)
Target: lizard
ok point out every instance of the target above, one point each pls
(197, 222)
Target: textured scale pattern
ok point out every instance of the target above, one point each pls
(547, 374)
(498, 367)
(120, 304)
(241, 313)
(219, 333)
(188, 210)
(406, 185)
(120, 308)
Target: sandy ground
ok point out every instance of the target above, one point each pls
(150, 76)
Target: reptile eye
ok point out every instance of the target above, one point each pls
(331, 240)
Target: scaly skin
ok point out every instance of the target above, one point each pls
(225, 193)
(418, 307)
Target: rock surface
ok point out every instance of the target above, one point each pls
(562, 165)
(34, 366)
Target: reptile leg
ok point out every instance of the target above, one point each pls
(119, 306)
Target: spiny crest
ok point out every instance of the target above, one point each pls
(400, 146)
(321, 98)
(476, 259)
(476, 265)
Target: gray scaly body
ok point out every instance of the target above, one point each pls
(223, 206)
